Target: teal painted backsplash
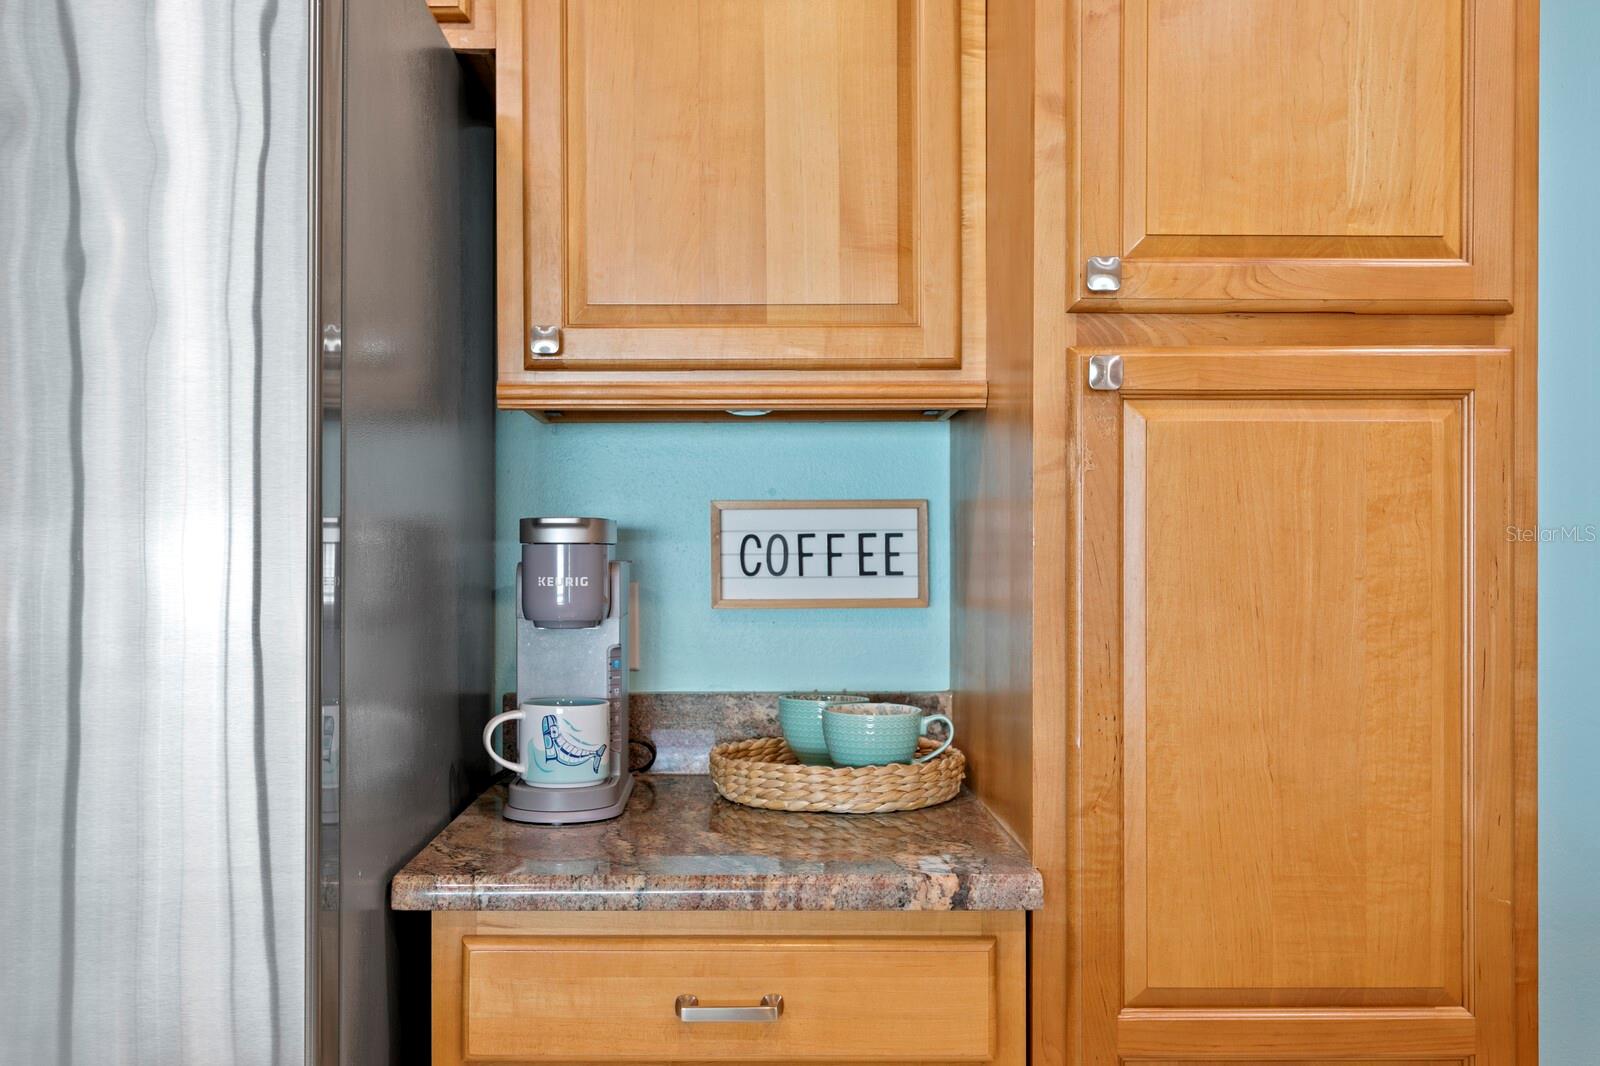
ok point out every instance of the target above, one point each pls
(657, 480)
(1569, 559)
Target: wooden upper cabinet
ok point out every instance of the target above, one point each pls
(738, 185)
(468, 25)
(1296, 790)
(1319, 154)
(451, 10)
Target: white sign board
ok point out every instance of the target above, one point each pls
(819, 553)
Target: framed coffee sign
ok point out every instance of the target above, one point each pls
(819, 553)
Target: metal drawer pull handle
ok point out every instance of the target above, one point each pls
(688, 1009)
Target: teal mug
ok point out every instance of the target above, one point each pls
(800, 718)
(876, 734)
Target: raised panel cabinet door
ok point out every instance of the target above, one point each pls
(1294, 793)
(1320, 154)
(731, 184)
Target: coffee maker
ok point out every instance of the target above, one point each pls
(572, 647)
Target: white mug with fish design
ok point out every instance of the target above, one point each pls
(565, 741)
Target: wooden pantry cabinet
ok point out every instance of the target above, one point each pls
(1318, 154)
(1236, 573)
(1297, 573)
(723, 204)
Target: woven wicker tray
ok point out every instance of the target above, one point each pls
(765, 773)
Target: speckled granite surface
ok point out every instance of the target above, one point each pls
(680, 847)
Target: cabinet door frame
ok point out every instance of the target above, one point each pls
(1482, 1023)
(1107, 206)
(939, 325)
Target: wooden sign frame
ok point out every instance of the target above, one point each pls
(923, 561)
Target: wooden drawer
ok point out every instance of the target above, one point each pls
(611, 998)
(600, 987)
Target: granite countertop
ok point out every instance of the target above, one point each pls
(679, 846)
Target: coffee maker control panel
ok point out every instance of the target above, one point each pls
(614, 672)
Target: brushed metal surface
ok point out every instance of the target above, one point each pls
(689, 1010)
(1104, 273)
(327, 401)
(544, 340)
(154, 579)
(416, 433)
(1105, 373)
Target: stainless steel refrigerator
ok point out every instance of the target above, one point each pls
(246, 480)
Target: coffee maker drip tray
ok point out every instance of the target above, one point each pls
(567, 806)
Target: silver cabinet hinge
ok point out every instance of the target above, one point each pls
(1105, 372)
(545, 340)
(1105, 273)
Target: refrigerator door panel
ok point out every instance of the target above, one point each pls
(412, 419)
(155, 325)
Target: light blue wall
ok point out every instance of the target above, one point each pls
(658, 480)
(1569, 570)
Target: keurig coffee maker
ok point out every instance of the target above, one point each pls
(572, 676)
